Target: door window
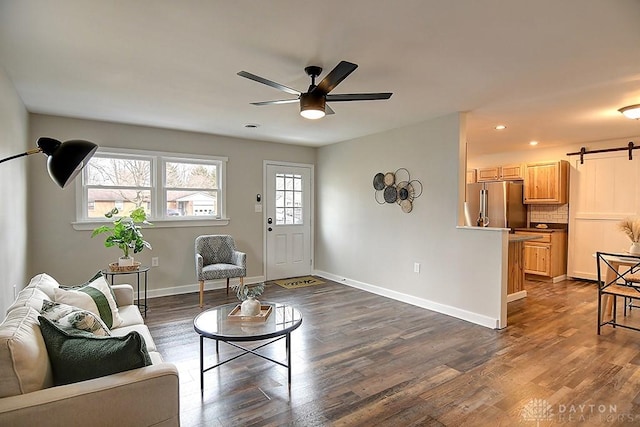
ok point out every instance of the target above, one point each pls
(288, 201)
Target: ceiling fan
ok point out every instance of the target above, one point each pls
(313, 101)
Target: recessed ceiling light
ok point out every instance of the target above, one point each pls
(533, 143)
(500, 127)
(251, 125)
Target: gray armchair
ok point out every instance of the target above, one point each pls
(217, 258)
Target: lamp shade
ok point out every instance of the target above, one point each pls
(631, 111)
(66, 159)
(312, 105)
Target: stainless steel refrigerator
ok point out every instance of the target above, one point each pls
(495, 204)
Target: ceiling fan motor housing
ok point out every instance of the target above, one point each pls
(312, 101)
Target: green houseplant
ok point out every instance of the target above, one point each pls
(125, 233)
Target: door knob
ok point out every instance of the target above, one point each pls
(269, 221)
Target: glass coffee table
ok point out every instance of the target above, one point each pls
(215, 324)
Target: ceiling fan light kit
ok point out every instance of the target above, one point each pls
(631, 111)
(313, 103)
(312, 106)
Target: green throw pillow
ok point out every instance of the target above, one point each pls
(78, 355)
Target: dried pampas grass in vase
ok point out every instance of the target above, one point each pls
(631, 227)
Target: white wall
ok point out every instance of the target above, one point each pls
(72, 256)
(374, 246)
(13, 191)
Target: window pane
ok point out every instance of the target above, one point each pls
(288, 199)
(190, 175)
(119, 172)
(192, 203)
(101, 201)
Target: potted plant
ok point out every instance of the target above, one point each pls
(631, 227)
(247, 294)
(125, 234)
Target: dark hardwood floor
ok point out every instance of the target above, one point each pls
(364, 360)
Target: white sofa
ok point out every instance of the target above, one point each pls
(147, 396)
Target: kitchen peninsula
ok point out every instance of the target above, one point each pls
(515, 282)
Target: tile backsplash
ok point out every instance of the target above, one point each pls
(554, 214)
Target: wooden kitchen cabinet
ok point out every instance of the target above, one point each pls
(501, 173)
(488, 174)
(471, 176)
(546, 257)
(511, 172)
(546, 183)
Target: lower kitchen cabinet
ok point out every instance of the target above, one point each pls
(546, 257)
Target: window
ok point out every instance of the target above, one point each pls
(120, 181)
(167, 186)
(191, 188)
(288, 199)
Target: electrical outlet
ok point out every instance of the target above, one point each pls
(154, 261)
(416, 267)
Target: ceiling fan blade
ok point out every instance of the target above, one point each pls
(280, 101)
(268, 83)
(335, 76)
(328, 110)
(359, 97)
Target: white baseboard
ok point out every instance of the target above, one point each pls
(516, 296)
(458, 313)
(559, 278)
(195, 287)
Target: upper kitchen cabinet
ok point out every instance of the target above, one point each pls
(488, 174)
(511, 172)
(546, 183)
(500, 173)
(471, 176)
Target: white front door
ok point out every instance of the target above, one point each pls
(288, 216)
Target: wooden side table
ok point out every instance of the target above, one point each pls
(143, 270)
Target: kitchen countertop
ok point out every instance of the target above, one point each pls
(513, 238)
(540, 230)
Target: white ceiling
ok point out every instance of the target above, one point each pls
(553, 71)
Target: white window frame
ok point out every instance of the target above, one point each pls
(158, 190)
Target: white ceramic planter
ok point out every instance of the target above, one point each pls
(250, 307)
(125, 262)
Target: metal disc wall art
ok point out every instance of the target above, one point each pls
(397, 187)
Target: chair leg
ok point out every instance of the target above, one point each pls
(599, 310)
(227, 286)
(201, 292)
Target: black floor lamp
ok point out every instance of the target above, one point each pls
(65, 159)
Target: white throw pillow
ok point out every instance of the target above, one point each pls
(45, 283)
(95, 297)
(74, 317)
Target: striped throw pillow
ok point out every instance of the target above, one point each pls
(95, 297)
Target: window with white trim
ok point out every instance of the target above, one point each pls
(168, 186)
